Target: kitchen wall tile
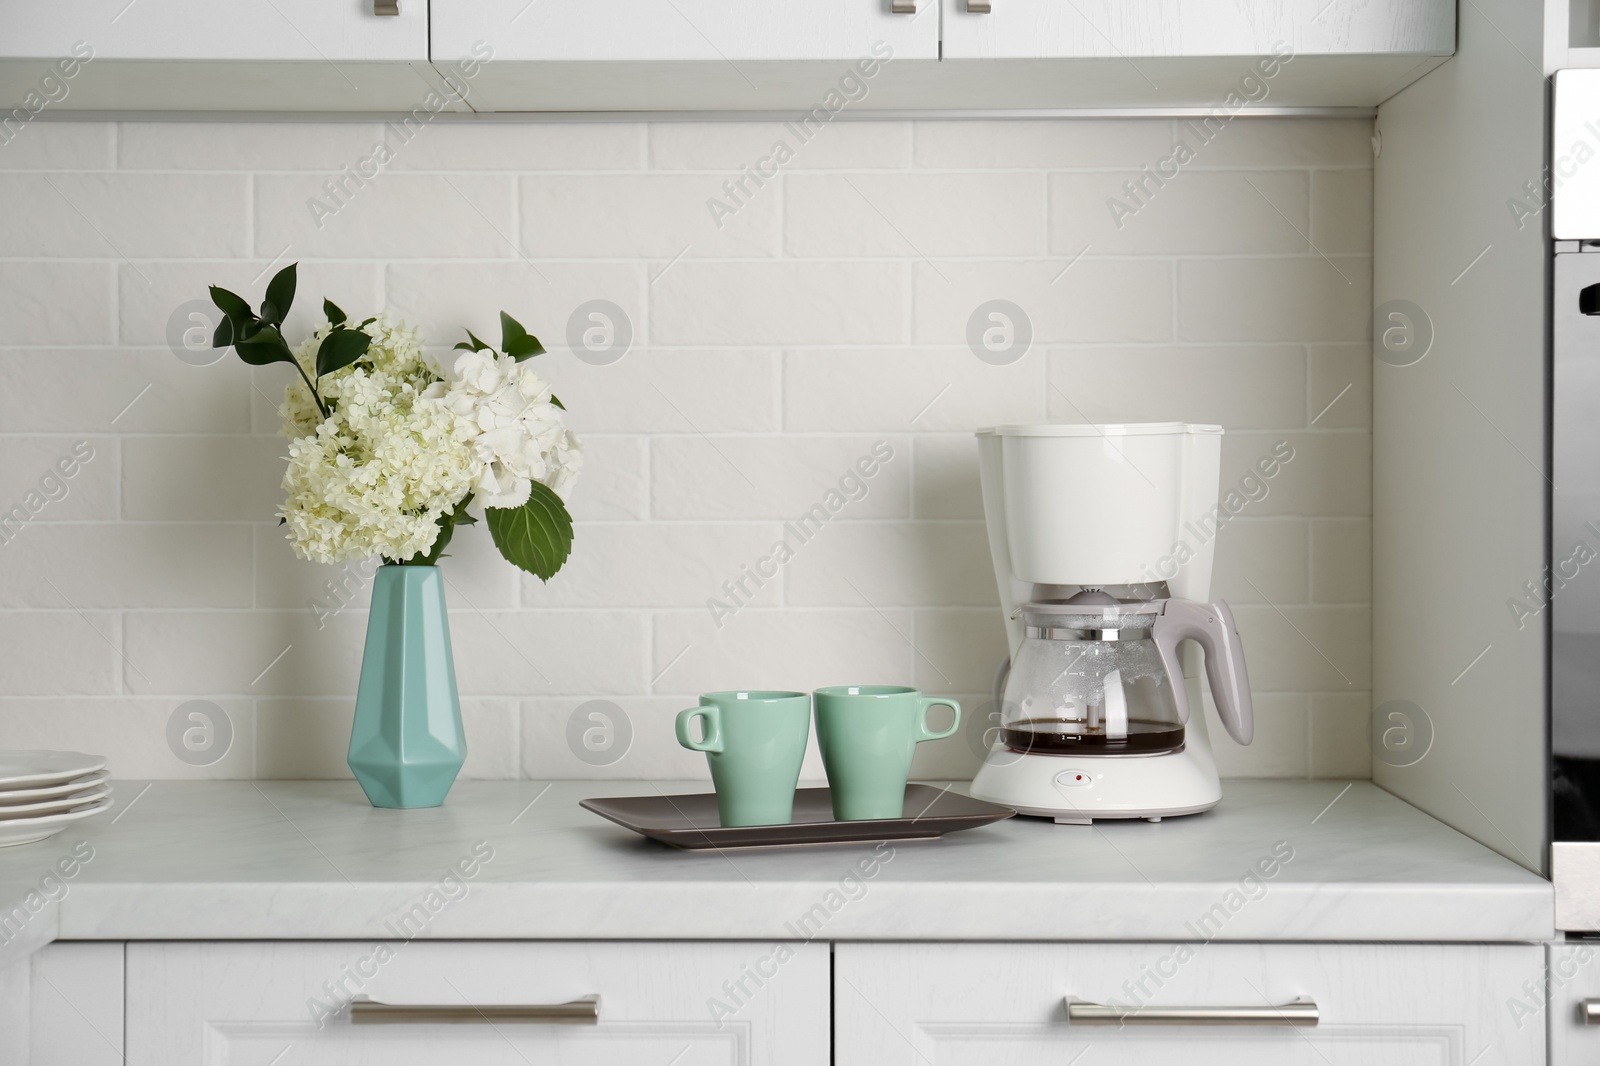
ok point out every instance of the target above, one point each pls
(126, 565)
(676, 564)
(615, 483)
(1192, 212)
(1299, 648)
(799, 650)
(461, 216)
(959, 650)
(774, 303)
(1312, 299)
(309, 739)
(613, 738)
(550, 653)
(133, 735)
(442, 299)
(1341, 560)
(946, 483)
(916, 214)
(324, 147)
(55, 303)
(893, 564)
(61, 390)
(780, 477)
(56, 479)
(157, 215)
(1086, 302)
(222, 479)
(925, 390)
(669, 391)
(730, 147)
(1261, 561)
(58, 146)
(657, 216)
(155, 300)
(522, 147)
(1237, 387)
(1042, 143)
(1341, 737)
(1278, 748)
(1328, 473)
(1340, 386)
(1341, 211)
(1268, 141)
(63, 652)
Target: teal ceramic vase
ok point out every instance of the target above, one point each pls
(407, 744)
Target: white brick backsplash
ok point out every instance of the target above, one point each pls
(767, 355)
(57, 391)
(1318, 298)
(1092, 300)
(899, 391)
(795, 650)
(695, 303)
(1035, 143)
(56, 303)
(1216, 212)
(131, 734)
(159, 215)
(1236, 387)
(62, 652)
(58, 146)
(309, 739)
(892, 564)
(656, 216)
(224, 479)
(779, 477)
(90, 566)
(56, 479)
(675, 564)
(461, 216)
(651, 752)
(729, 147)
(917, 214)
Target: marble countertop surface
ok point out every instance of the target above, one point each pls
(1277, 860)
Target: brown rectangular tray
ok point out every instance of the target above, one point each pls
(690, 821)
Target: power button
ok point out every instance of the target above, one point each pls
(1074, 779)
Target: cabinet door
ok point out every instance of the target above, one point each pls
(1117, 29)
(679, 1003)
(1574, 998)
(62, 1006)
(676, 30)
(256, 30)
(1377, 1005)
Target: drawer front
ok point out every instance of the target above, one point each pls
(1574, 983)
(685, 1004)
(1377, 1005)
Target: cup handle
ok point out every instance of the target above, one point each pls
(924, 733)
(713, 728)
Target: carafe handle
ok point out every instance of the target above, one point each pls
(1211, 626)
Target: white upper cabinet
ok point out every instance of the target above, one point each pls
(1131, 29)
(683, 30)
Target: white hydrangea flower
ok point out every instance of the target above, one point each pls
(520, 435)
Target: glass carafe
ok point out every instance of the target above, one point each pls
(1089, 679)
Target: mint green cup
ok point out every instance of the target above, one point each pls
(868, 734)
(754, 742)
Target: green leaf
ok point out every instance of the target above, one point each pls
(263, 345)
(335, 316)
(341, 348)
(557, 401)
(476, 345)
(536, 537)
(222, 337)
(280, 295)
(230, 304)
(516, 341)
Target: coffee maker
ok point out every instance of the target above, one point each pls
(1103, 538)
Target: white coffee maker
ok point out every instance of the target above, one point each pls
(1103, 538)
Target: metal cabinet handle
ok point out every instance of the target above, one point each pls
(1589, 1011)
(978, 7)
(902, 7)
(585, 1011)
(1301, 1011)
(386, 7)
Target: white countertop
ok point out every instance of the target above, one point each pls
(302, 860)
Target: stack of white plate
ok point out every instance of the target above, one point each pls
(42, 792)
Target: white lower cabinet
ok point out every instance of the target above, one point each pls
(1375, 1004)
(62, 1006)
(687, 1004)
(1574, 984)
